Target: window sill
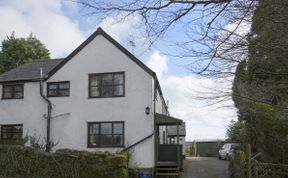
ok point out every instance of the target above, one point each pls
(120, 146)
(12, 98)
(58, 96)
(94, 97)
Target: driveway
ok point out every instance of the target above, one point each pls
(202, 167)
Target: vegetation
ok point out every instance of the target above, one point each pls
(18, 51)
(19, 161)
(260, 85)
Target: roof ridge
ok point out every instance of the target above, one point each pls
(44, 60)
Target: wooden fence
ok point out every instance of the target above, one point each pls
(246, 166)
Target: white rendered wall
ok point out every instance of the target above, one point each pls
(28, 111)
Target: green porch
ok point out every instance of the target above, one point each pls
(168, 157)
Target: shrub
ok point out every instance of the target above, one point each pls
(19, 161)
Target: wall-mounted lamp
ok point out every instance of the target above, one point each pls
(147, 110)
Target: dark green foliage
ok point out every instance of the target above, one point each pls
(260, 88)
(18, 51)
(18, 161)
(237, 132)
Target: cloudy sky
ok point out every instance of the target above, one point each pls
(61, 26)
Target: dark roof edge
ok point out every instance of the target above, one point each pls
(17, 81)
(45, 60)
(160, 90)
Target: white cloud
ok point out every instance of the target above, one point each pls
(201, 122)
(158, 63)
(45, 20)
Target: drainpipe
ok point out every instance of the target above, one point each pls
(155, 126)
(48, 118)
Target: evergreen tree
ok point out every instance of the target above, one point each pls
(260, 89)
(17, 51)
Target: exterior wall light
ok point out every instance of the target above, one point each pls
(147, 110)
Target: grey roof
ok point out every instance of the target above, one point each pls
(30, 71)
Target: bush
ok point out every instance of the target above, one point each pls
(19, 161)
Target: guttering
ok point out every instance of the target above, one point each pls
(49, 111)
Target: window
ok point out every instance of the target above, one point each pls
(58, 89)
(13, 91)
(106, 134)
(106, 85)
(11, 132)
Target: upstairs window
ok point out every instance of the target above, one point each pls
(13, 91)
(106, 134)
(58, 89)
(11, 132)
(106, 85)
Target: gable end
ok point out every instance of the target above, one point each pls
(100, 31)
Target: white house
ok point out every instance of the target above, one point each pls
(100, 97)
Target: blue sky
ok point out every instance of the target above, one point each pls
(61, 26)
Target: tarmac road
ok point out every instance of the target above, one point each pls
(203, 167)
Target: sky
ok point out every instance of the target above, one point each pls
(62, 26)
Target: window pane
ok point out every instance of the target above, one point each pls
(18, 95)
(6, 129)
(107, 79)
(7, 95)
(118, 128)
(18, 88)
(52, 93)
(7, 88)
(106, 91)
(64, 92)
(94, 91)
(106, 128)
(95, 80)
(64, 85)
(118, 79)
(106, 140)
(17, 129)
(94, 140)
(118, 140)
(118, 90)
(52, 86)
(93, 129)
(17, 135)
(6, 135)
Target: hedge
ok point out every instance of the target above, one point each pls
(19, 161)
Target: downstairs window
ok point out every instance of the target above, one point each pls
(11, 132)
(106, 134)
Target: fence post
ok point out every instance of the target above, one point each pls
(248, 161)
(256, 172)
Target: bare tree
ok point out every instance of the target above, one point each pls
(213, 28)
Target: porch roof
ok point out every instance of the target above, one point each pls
(161, 119)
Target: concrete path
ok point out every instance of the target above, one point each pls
(202, 167)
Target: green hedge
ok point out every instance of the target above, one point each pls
(19, 161)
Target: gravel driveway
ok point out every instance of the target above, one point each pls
(202, 167)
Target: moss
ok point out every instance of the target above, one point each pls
(19, 161)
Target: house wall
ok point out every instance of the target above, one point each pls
(28, 111)
(70, 131)
(160, 107)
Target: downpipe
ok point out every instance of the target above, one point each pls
(48, 118)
